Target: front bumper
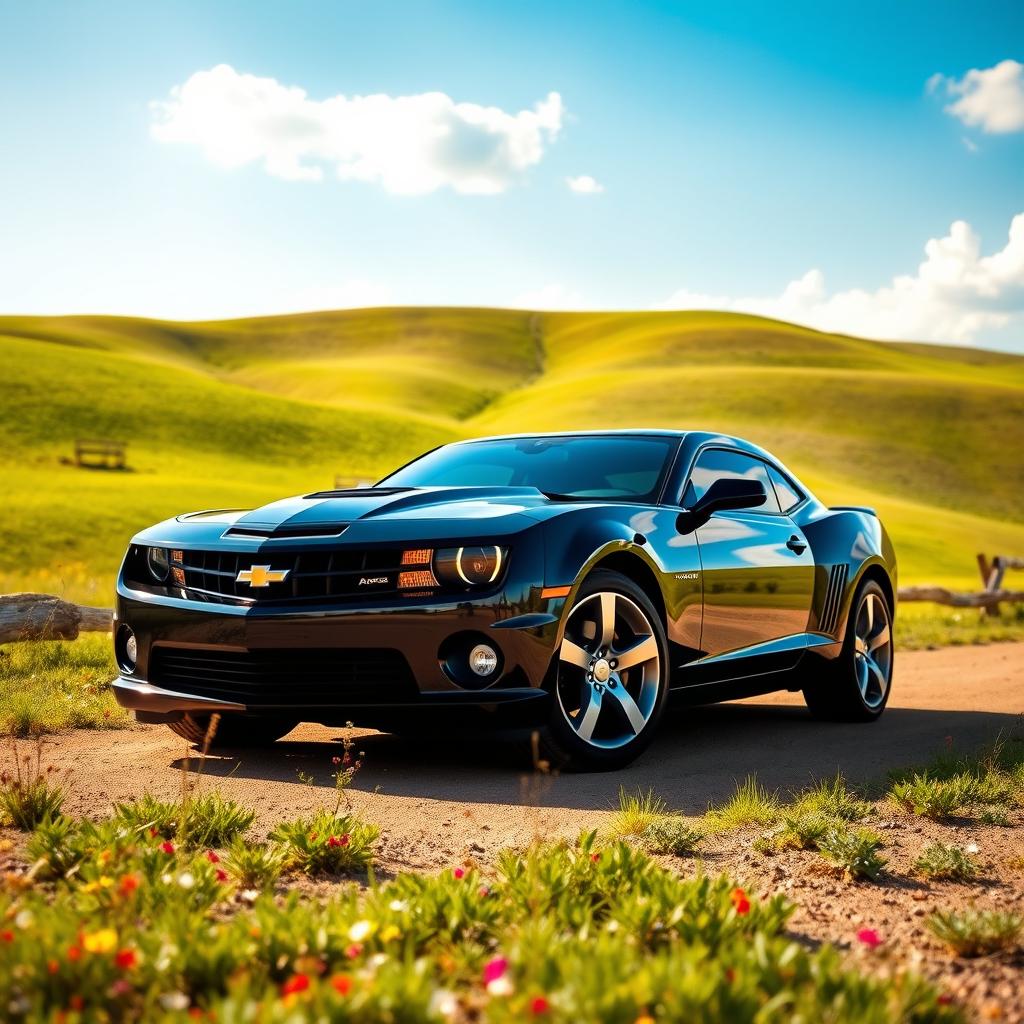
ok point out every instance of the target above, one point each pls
(514, 620)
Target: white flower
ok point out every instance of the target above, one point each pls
(166, 878)
(398, 906)
(971, 848)
(360, 930)
(174, 1001)
(443, 1003)
(500, 986)
(24, 919)
(377, 960)
(186, 880)
(249, 895)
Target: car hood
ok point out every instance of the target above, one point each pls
(370, 514)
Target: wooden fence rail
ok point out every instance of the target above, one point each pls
(986, 599)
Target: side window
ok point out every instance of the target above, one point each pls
(715, 464)
(786, 492)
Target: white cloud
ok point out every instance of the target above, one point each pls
(955, 294)
(407, 144)
(585, 183)
(550, 297)
(990, 98)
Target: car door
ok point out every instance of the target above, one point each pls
(756, 565)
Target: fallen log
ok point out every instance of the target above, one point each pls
(46, 617)
(942, 595)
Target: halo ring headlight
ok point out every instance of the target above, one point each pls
(159, 563)
(468, 566)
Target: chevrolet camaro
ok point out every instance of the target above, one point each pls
(566, 586)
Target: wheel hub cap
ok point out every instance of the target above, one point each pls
(602, 670)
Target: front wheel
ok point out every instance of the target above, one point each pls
(612, 676)
(855, 686)
(233, 730)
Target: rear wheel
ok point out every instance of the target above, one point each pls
(612, 677)
(233, 730)
(854, 687)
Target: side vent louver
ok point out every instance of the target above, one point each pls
(833, 598)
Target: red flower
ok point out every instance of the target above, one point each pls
(295, 984)
(595, 857)
(539, 1006)
(353, 951)
(212, 857)
(335, 760)
(126, 959)
(944, 999)
(52, 966)
(222, 875)
(346, 760)
(730, 975)
(494, 969)
(869, 937)
(740, 902)
(484, 891)
(154, 832)
(74, 953)
(459, 873)
(342, 984)
(167, 846)
(76, 1002)
(335, 841)
(6, 935)
(129, 883)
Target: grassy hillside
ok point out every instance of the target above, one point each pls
(237, 412)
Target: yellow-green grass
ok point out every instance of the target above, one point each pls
(239, 412)
(55, 685)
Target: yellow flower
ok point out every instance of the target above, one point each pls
(102, 941)
(389, 933)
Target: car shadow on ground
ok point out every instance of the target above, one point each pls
(698, 757)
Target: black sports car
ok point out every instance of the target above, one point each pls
(566, 584)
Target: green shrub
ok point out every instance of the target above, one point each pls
(636, 813)
(803, 832)
(28, 794)
(208, 820)
(935, 798)
(973, 933)
(831, 798)
(327, 843)
(253, 865)
(671, 834)
(855, 851)
(940, 861)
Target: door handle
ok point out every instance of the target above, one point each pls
(796, 545)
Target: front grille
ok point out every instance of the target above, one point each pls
(328, 677)
(338, 575)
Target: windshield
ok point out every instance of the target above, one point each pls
(610, 468)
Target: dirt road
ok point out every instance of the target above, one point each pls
(438, 801)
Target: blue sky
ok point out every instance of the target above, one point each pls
(793, 159)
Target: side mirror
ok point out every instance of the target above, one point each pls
(721, 495)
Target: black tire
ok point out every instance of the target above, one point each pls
(233, 730)
(561, 743)
(835, 689)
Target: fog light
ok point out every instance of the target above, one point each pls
(131, 649)
(483, 659)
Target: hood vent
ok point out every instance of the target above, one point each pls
(288, 531)
(360, 492)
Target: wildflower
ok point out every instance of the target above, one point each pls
(74, 953)
(167, 846)
(869, 937)
(121, 987)
(126, 959)
(174, 1001)
(483, 892)
(129, 883)
(335, 841)
(458, 873)
(295, 984)
(222, 875)
(496, 977)
(52, 966)
(539, 1006)
(346, 760)
(971, 848)
(595, 857)
(944, 999)
(6, 935)
(186, 880)
(25, 919)
(76, 1002)
(102, 941)
(644, 1018)
(354, 951)
(361, 930)
(443, 1003)
(335, 761)
(740, 902)
(212, 857)
(154, 832)
(390, 933)
(398, 906)
(341, 983)
(500, 987)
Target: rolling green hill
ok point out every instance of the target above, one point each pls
(237, 412)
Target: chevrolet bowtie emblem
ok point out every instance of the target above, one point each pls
(261, 576)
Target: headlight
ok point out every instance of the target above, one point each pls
(159, 564)
(469, 566)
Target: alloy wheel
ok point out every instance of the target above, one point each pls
(872, 646)
(609, 670)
